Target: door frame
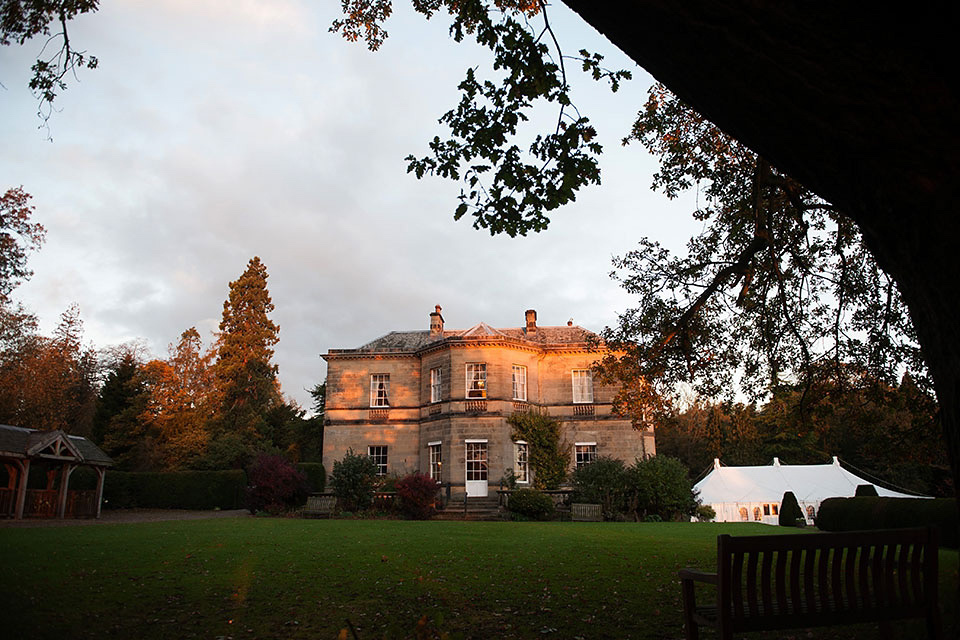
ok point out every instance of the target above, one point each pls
(476, 488)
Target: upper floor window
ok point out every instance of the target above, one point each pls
(380, 390)
(582, 386)
(378, 454)
(477, 380)
(519, 382)
(436, 383)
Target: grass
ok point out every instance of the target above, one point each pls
(281, 578)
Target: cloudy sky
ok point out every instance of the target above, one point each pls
(217, 130)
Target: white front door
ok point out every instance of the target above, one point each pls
(476, 468)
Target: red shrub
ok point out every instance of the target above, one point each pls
(417, 493)
(274, 485)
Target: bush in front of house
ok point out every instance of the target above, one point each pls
(705, 513)
(275, 485)
(354, 481)
(603, 482)
(790, 514)
(866, 512)
(417, 494)
(866, 490)
(659, 486)
(316, 475)
(174, 489)
(531, 503)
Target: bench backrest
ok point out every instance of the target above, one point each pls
(321, 503)
(584, 512)
(826, 578)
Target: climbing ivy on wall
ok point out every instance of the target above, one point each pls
(549, 454)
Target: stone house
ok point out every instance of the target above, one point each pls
(437, 401)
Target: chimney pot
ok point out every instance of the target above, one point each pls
(531, 316)
(436, 323)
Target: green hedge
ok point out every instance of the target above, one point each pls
(175, 490)
(867, 512)
(316, 475)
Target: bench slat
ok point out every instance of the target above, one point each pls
(781, 585)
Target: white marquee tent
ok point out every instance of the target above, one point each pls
(754, 493)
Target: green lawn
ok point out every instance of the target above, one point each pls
(281, 578)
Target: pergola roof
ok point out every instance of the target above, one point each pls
(22, 443)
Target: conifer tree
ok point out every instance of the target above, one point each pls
(245, 378)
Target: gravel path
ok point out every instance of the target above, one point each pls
(128, 515)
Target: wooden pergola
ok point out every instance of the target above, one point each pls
(61, 454)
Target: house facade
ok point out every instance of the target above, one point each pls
(437, 401)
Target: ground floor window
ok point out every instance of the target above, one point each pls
(522, 462)
(436, 460)
(743, 514)
(756, 513)
(378, 453)
(586, 452)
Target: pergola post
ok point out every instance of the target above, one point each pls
(65, 473)
(22, 487)
(101, 475)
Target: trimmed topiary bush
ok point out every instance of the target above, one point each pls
(531, 503)
(275, 485)
(790, 515)
(417, 494)
(866, 512)
(866, 490)
(354, 481)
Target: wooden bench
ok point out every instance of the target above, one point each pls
(320, 506)
(798, 581)
(580, 512)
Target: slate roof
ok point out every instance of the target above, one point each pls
(20, 440)
(412, 341)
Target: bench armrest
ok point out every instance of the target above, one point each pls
(698, 576)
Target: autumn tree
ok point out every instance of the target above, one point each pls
(181, 401)
(51, 383)
(19, 235)
(246, 380)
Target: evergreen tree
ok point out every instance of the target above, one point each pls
(124, 435)
(245, 378)
(116, 395)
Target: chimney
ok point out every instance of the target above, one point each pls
(531, 322)
(436, 323)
